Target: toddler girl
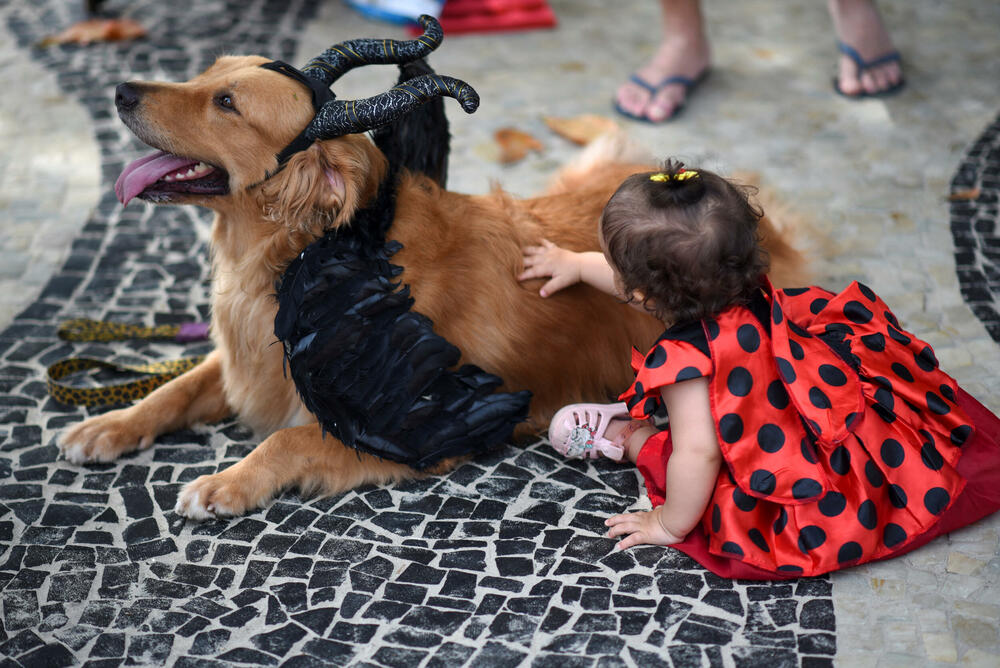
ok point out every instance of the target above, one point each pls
(807, 430)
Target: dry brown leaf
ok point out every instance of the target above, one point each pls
(97, 30)
(581, 129)
(972, 193)
(514, 144)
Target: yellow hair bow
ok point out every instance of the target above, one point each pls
(683, 175)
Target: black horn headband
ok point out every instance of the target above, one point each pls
(335, 118)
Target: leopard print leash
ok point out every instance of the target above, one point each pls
(157, 373)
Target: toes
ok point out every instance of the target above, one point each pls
(632, 98)
(665, 104)
(208, 497)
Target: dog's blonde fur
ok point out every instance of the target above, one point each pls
(460, 256)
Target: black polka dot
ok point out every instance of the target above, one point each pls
(786, 370)
(947, 392)
(936, 500)
(936, 404)
(796, 350)
(840, 460)
(897, 496)
(887, 415)
(874, 342)
(716, 518)
(757, 538)
(868, 514)
(762, 481)
(849, 420)
(838, 330)
(811, 537)
(892, 453)
(790, 568)
(959, 435)
(656, 357)
(866, 291)
(770, 438)
(882, 381)
(804, 333)
(818, 305)
(748, 338)
(688, 373)
(891, 318)
(848, 552)
(874, 474)
(712, 327)
(649, 406)
(795, 292)
(898, 336)
(818, 398)
(776, 314)
(744, 502)
(777, 395)
(808, 451)
(930, 456)
(831, 375)
(781, 522)
(731, 427)
(925, 359)
(857, 312)
(806, 488)
(832, 504)
(912, 407)
(640, 390)
(729, 547)
(885, 399)
(902, 372)
(633, 402)
(893, 535)
(739, 382)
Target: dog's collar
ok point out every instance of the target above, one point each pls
(321, 94)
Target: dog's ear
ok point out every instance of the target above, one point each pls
(324, 185)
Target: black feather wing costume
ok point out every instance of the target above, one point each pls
(371, 369)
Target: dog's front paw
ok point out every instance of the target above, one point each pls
(105, 438)
(212, 496)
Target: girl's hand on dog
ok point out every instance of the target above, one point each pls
(549, 260)
(643, 528)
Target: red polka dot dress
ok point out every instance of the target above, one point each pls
(840, 435)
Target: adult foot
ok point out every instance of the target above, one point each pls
(859, 26)
(685, 57)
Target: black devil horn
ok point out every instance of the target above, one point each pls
(342, 117)
(343, 57)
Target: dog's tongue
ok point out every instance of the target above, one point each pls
(139, 174)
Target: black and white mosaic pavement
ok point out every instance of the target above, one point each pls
(501, 563)
(975, 226)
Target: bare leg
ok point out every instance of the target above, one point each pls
(634, 441)
(295, 457)
(683, 51)
(193, 397)
(858, 24)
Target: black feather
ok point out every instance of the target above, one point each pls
(371, 369)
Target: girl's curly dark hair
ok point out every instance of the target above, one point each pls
(689, 246)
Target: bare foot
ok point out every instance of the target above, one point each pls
(683, 55)
(858, 24)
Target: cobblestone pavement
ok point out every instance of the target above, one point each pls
(93, 563)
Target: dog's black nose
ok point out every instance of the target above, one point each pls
(126, 97)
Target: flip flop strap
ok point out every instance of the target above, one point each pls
(861, 63)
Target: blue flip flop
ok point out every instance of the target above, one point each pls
(863, 65)
(689, 86)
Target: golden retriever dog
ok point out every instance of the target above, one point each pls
(219, 134)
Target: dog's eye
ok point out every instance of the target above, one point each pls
(225, 101)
